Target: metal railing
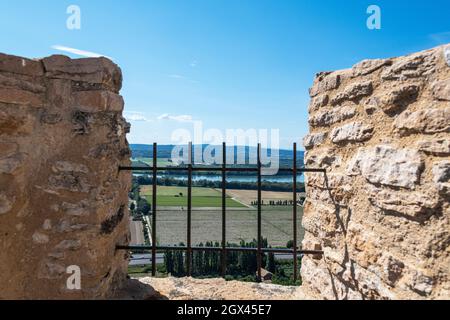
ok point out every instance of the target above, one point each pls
(223, 248)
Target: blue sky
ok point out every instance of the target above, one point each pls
(228, 63)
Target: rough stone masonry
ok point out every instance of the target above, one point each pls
(62, 200)
(381, 213)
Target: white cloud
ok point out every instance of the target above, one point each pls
(193, 63)
(181, 77)
(140, 117)
(79, 52)
(178, 118)
(137, 117)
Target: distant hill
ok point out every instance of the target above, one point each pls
(165, 151)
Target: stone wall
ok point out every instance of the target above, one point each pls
(62, 200)
(381, 213)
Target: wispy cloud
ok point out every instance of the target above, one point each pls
(441, 37)
(79, 52)
(181, 77)
(141, 117)
(178, 118)
(193, 63)
(137, 117)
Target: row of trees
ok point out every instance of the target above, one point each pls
(139, 206)
(240, 185)
(208, 263)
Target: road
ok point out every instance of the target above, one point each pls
(137, 234)
(145, 259)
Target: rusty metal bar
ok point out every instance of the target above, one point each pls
(189, 214)
(155, 159)
(223, 249)
(259, 252)
(236, 249)
(224, 220)
(294, 211)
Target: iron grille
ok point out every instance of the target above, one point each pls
(223, 248)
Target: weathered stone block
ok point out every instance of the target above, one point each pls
(441, 176)
(94, 101)
(366, 67)
(91, 70)
(414, 66)
(430, 120)
(329, 181)
(441, 171)
(387, 165)
(325, 82)
(21, 97)
(352, 132)
(5, 204)
(12, 82)
(40, 238)
(405, 202)
(326, 158)
(441, 90)
(314, 139)
(422, 284)
(447, 55)
(399, 98)
(318, 102)
(77, 209)
(329, 117)
(435, 146)
(18, 65)
(353, 92)
(65, 166)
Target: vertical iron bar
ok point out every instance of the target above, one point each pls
(155, 157)
(259, 262)
(294, 212)
(224, 241)
(189, 213)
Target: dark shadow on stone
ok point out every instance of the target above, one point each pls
(338, 208)
(136, 290)
(108, 226)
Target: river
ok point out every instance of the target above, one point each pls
(234, 178)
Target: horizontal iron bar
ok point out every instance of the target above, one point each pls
(239, 249)
(215, 169)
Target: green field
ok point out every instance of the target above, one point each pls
(162, 162)
(177, 197)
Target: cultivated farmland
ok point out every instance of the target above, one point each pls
(241, 225)
(177, 197)
(248, 196)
